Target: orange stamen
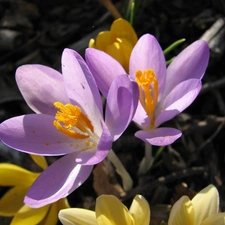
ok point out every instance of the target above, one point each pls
(148, 88)
(71, 121)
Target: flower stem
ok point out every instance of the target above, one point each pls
(120, 169)
(132, 13)
(147, 160)
(172, 46)
(111, 8)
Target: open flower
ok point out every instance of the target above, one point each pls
(164, 92)
(11, 204)
(69, 122)
(203, 209)
(109, 210)
(118, 42)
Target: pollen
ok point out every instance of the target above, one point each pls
(148, 92)
(71, 121)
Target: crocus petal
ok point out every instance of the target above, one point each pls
(104, 39)
(140, 117)
(63, 204)
(178, 100)
(36, 134)
(94, 157)
(109, 210)
(116, 52)
(77, 217)
(57, 181)
(81, 86)
(12, 175)
(182, 212)
(140, 211)
(28, 216)
(52, 215)
(36, 82)
(190, 63)
(126, 48)
(121, 105)
(147, 54)
(123, 29)
(205, 203)
(121, 52)
(103, 67)
(40, 161)
(160, 137)
(12, 201)
(218, 219)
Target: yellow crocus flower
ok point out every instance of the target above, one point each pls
(203, 209)
(117, 42)
(11, 204)
(109, 210)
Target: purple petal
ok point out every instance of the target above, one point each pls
(121, 105)
(190, 63)
(165, 115)
(147, 54)
(81, 86)
(103, 148)
(57, 181)
(103, 67)
(160, 136)
(140, 117)
(178, 100)
(36, 134)
(36, 82)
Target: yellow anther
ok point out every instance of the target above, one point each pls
(148, 88)
(71, 121)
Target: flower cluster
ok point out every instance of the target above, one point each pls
(164, 92)
(203, 209)
(70, 121)
(109, 210)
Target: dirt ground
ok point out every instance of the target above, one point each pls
(38, 31)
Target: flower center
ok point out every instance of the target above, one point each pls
(71, 121)
(148, 88)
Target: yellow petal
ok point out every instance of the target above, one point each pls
(91, 43)
(40, 161)
(205, 203)
(123, 29)
(215, 219)
(12, 201)
(109, 210)
(116, 52)
(77, 216)
(182, 212)
(104, 39)
(52, 216)
(63, 204)
(126, 49)
(140, 211)
(12, 175)
(29, 216)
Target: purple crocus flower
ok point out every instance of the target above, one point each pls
(164, 92)
(69, 122)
